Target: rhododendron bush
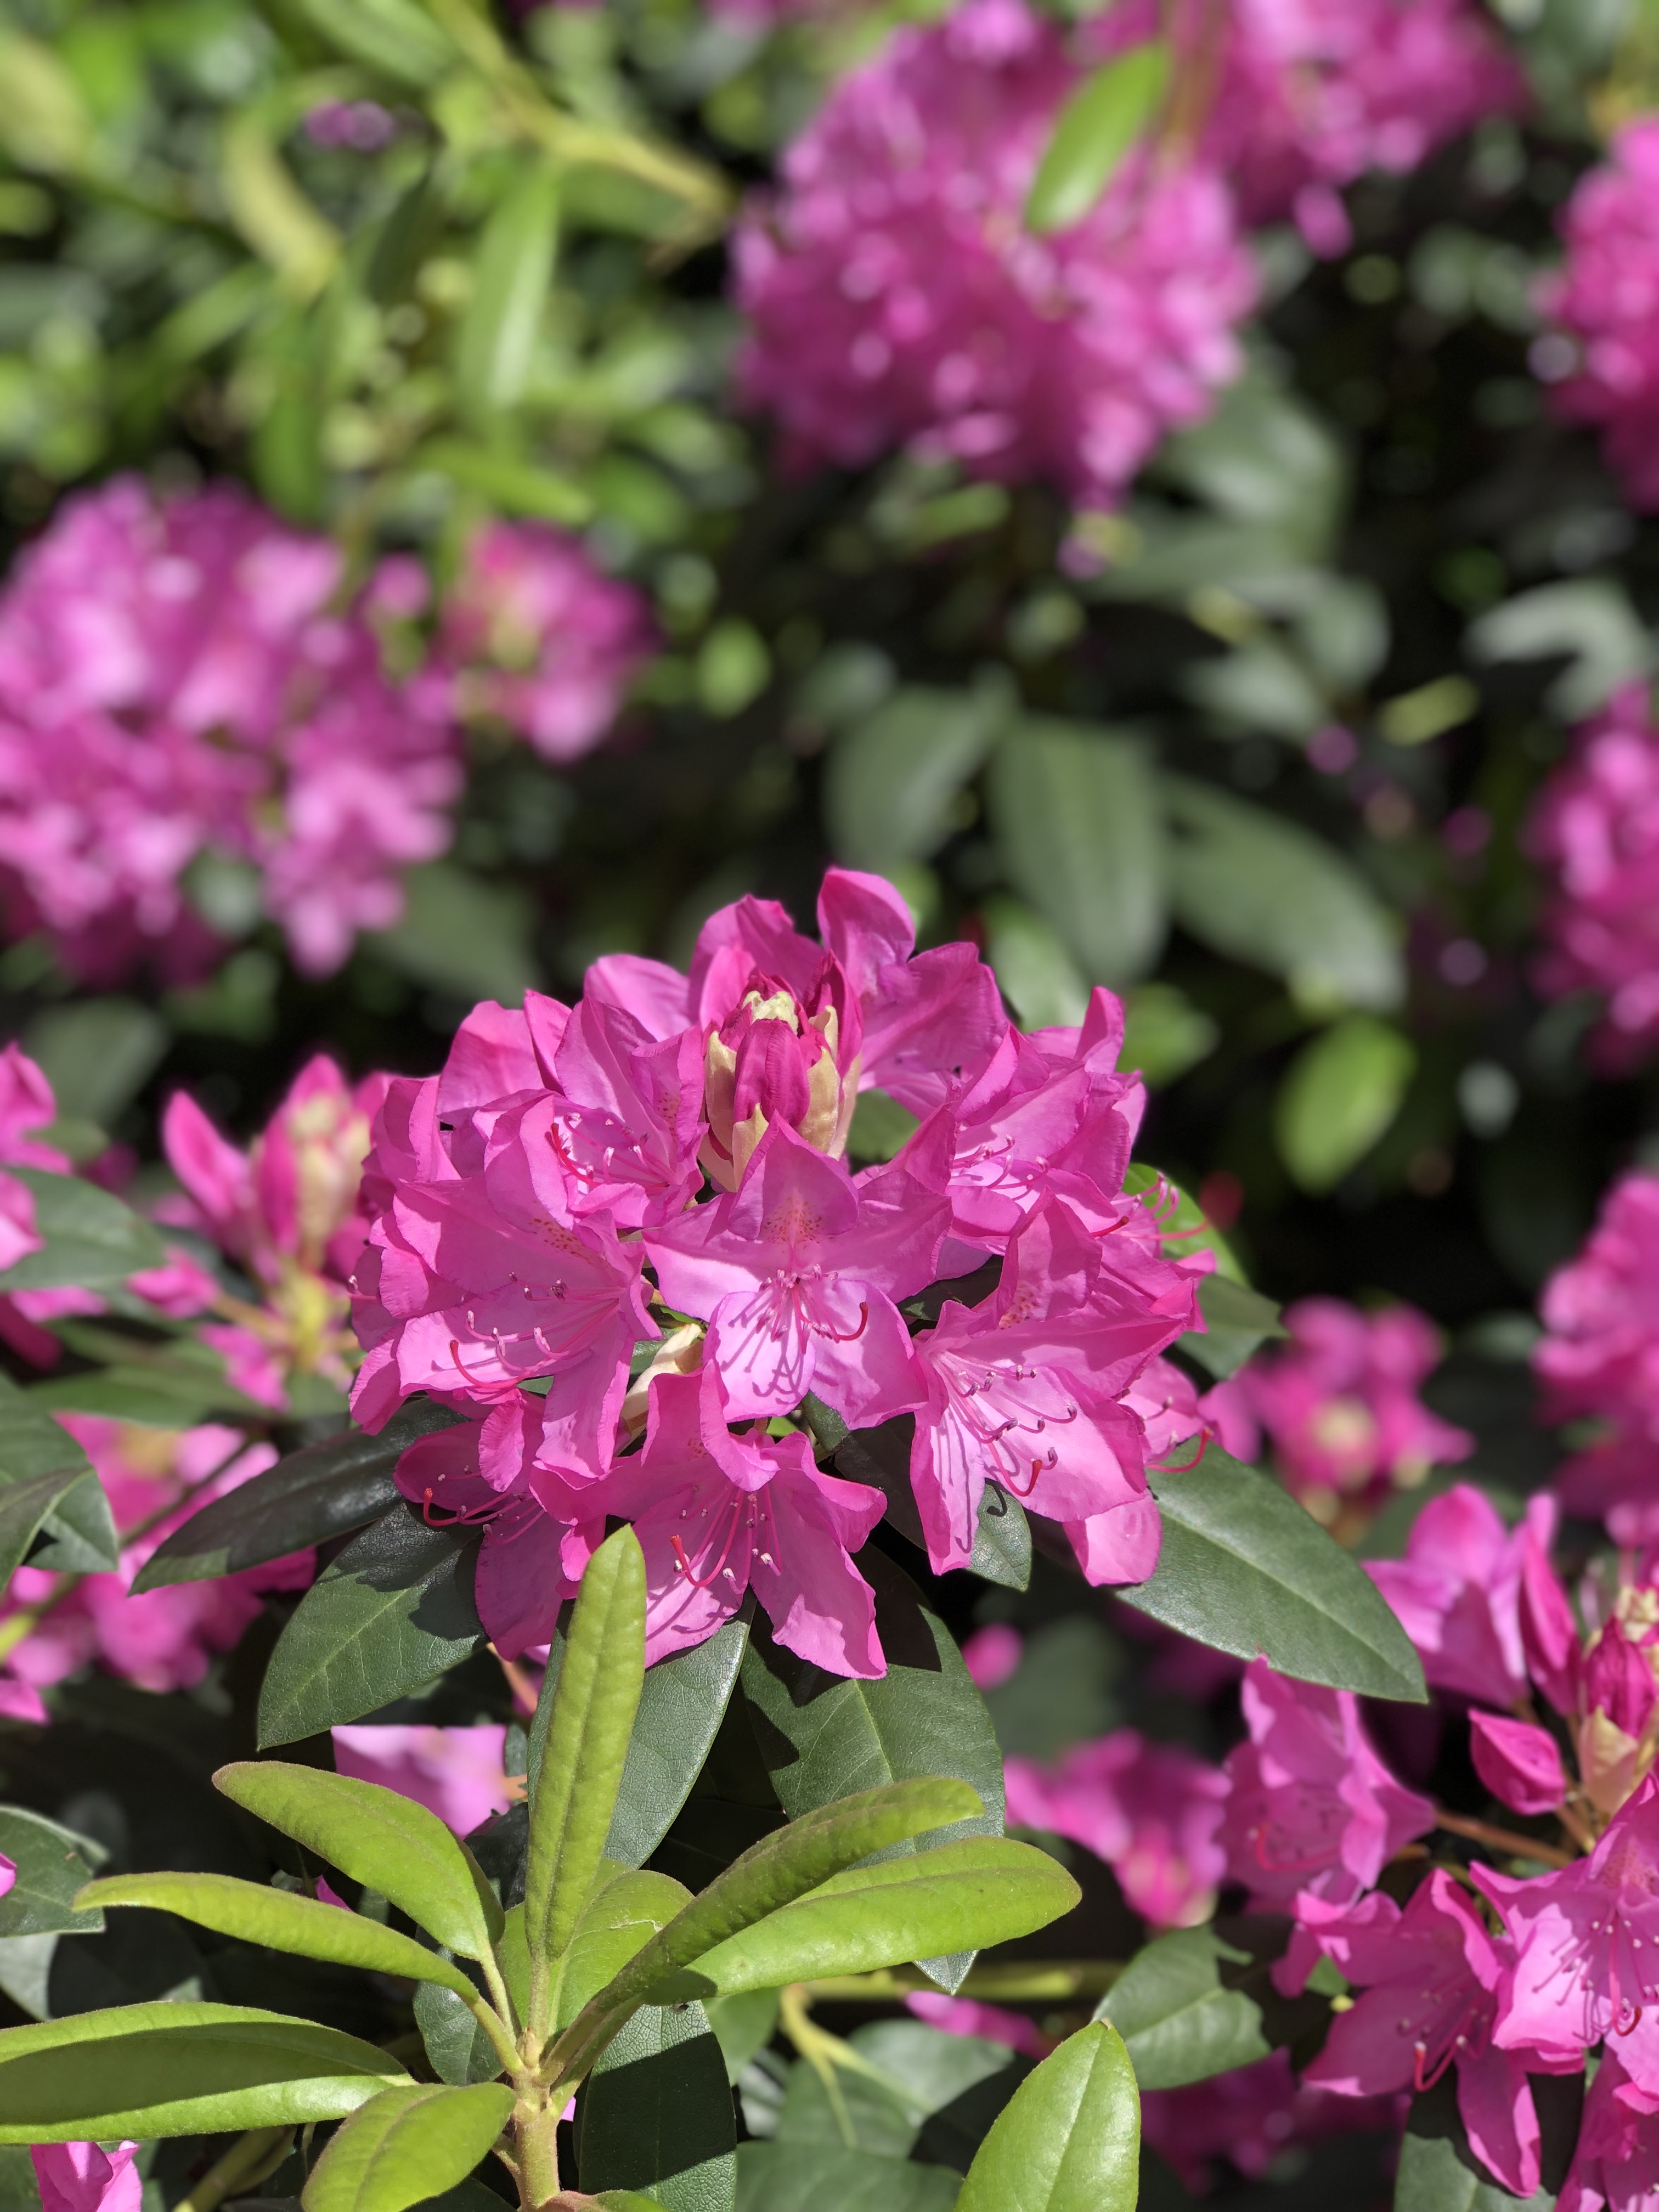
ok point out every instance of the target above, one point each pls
(828, 1174)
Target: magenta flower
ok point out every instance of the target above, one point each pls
(1312, 1808)
(1251, 2117)
(1428, 1977)
(456, 1772)
(25, 1104)
(990, 2023)
(1615, 2166)
(1152, 1811)
(1519, 1762)
(174, 679)
(79, 2177)
(1457, 1593)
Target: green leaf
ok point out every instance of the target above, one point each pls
(745, 2025)
(1439, 2173)
(774, 2177)
(92, 1240)
(398, 38)
(1093, 131)
(1589, 619)
(1244, 1569)
(456, 2042)
(656, 2114)
(1165, 1034)
(48, 1488)
(1339, 1094)
(1076, 813)
(959, 1897)
(393, 1612)
(1034, 972)
(1236, 1321)
(151, 1396)
(930, 2095)
(97, 1055)
(508, 480)
(624, 1911)
(386, 1842)
(580, 1770)
(180, 2069)
(1002, 1541)
(307, 1497)
(52, 1865)
(1260, 890)
(682, 1704)
(1069, 2140)
(893, 776)
(461, 934)
(511, 271)
(881, 1128)
(279, 1919)
(1179, 2022)
(407, 2144)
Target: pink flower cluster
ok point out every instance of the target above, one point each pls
(1595, 829)
(1152, 1811)
(624, 1340)
(1338, 1405)
(1605, 301)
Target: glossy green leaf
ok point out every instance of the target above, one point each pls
(656, 2114)
(52, 1865)
(91, 1239)
(48, 1490)
(1245, 1569)
(280, 1920)
(625, 1911)
(307, 1497)
(1076, 813)
(774, 2177)
(586, 1747)
(893, 776)
(386, 1842)
(1258, 888)
(1178, 2019)
(177, 2068)
(407, 2144)
(391, 1614)
(1093, 132)
(512, 273)
(1069, 2140)
(959, 1897)
(1339, 1094)
(681, 1704)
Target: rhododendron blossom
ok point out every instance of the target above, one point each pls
(1615, 2165)
(458, 1773)
(82, 2177)
(1151, 1811)
(174, 680)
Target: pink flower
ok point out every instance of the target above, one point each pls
(1338, 1406)
(79, 2177)
(1457, 1593)
(1615, 2166)
(992, 1655)
(456, 1772)
(1519, 1763)
(1595, 829)
(538, 639)
(174, 679)
(1251, 2116)
(1604, 300)
(1312, 1808)
(895, 297)
(1152, 1812)
(991, 2023)
(1428, 1977)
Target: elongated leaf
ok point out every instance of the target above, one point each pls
(621, 1916)
(460, 2050)
(1178, 2019)
(92, 1240)
(959, 1897)
(1244, 1569)
(394, 1611)
(385, 1841)
(1076, 813)
(512, 272)
(180, 2069)
(1236, 1321)
(146, 1397)
(405, 2145)
(656, 2114)
(398, 38)
(1340, 1094)
(893, 775)
(1002, 1540)
(931, 2096)
(585, 1748)
(52, 1864)
(776, 2177)
(1070, 2139)
(306, 1498)
(1092, 133)
(280, 1920)
(48, 1488)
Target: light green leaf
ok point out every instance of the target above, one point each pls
(744, 2026)
(385, 1841)
(97, 1055)
(52, 1864)
(893, 775)
(462, 934)
(267, 205)
(1178, 2019)
(1002, 1541)
(1093, 132)
(279, 1920)
(1589, 618)
(1236, 1321)
(407, 2144)
(775, 2178)
(1069, 2140)
(398, 38)
(623, 1914)
(1034, 971)
(180, 2069)
(656, 2114)
(1339, 1094)
(507, 481)
(1165, 1034)
(1246, 1569)
(391, 1614)
(92, 1240)
(512, 273)
(580, 1770)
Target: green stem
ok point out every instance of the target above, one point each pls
(535, 2132)
(1013, 1981)
(496, 2028)
(250, 2160)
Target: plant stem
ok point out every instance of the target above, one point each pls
(250, 2160)
(535, 2132)
(1504, 1840)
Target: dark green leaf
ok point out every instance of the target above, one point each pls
(92, 1240)
(407, 2144)
(932, 2095)
(656, 2115)
(393, 1612)
(177, 2068)
(1093, 131)
(1339, 1094)
(511, 271)
(52, 1864)
(385, 1841)
(1243, 1568)
(47, 1488)
(1179, 2020)
(462, 934)
(1070, 2139)
(149, 1397)
(1439, 2173)
(307, 1499)
(1002, 1541)
(1236, 1321)
(773, 2178)
(457, 2046)
(97, 1055)
(892, 776)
